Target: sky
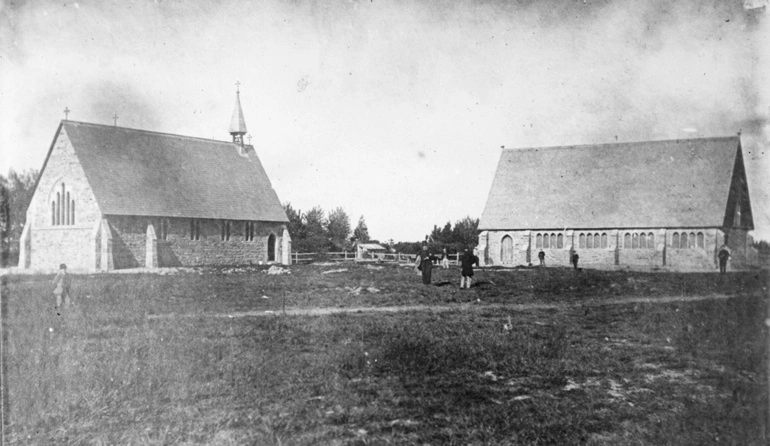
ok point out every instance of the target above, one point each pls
(393, 110)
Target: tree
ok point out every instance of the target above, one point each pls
(338, 228)
(465, 233)
(316, 239)
(361, 233)
(296, 227)
(445, 236)
(16, 191)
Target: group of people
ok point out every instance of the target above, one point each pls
(424, 263)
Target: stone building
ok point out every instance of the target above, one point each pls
(110, 197)
(655, 204)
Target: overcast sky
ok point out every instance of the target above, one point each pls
(392, 110)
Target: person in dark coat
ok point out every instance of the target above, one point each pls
(425, 263)
(541, 256)
(574, 259)
(467, 262)
(723, 255)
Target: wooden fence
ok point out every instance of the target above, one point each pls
(345, 256)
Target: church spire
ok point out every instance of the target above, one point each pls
(237, 122)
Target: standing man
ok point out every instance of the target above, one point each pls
(723, 255)
(468, 260)
(425, 263)
(574, 259)
(445, 260)
(541, 256)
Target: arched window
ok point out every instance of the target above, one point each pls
(651, 240)
(700, 240)
(560, 241)
(691, 241)
(62, 206)
(538, 241)
(635, 240)
(546, 241)
(643, 240)
(627, 241)
(225, 230)
(683, 240)
(582, 241)
(506, 250)
(553, 241)
(270, 248)
(249, 235)
(675, 240)
(195, 229)
(164, 226)
(58, 206)
(604, 239)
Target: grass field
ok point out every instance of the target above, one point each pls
(111, 371)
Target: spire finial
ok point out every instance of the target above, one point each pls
(66, 113)
(115, 120)
(237, 87)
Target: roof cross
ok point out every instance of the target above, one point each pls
(115, 120)
(66, 113)
(237, 86)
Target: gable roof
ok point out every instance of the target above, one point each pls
(138, 172)
(674, 183)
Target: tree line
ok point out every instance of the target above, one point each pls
(16, 191)
(317, 231)
(454, 238)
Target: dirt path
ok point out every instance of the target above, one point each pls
(450, 307)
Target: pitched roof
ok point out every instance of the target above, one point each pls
(237, 122)
(138, 172)
(675, 183)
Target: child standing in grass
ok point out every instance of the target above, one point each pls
(62, 286)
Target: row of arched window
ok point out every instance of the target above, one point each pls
(639, 240)
(546, 241)
(631, 240)
(687, 241)
(592, 241)
(62, 208)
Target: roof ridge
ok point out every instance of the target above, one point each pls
(69, 121)
(604, 144)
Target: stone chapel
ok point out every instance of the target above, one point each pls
(651, 204)
(110, 197)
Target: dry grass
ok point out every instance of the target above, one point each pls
(678, 373)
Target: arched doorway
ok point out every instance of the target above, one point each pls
(506, 250)
(271, 248)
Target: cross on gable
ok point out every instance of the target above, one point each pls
(115, 119)
(66, 113)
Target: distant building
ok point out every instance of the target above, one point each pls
(657, 204)
(110, 197)
(368, 249)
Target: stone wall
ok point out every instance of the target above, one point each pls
(175, 246)
(50, 244)
(617, 251)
